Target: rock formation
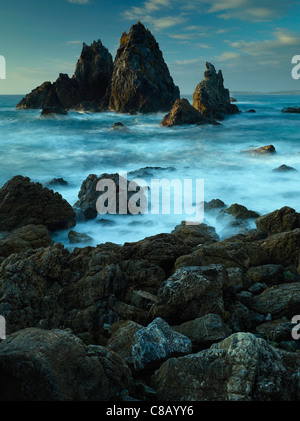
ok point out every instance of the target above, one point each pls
(210, 96)
(141, 81)
(87, 89)
(23, 202)
(183, 112)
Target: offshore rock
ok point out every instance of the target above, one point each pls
(211, 98)
(89, 84)
(183, 112)
(141, 80)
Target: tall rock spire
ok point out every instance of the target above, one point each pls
(141, 80)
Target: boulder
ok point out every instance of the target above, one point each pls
(86, 205)
(276, 330)
(157, 342)
(283, 248)
(214, 204)
(56, 182)
(268, 274)
(79, 237)
(280, 220)
(190, 293)
(284, 168)
(204, 331)
(25, 238)
(50, 111)
(211, 98)
(291, 110)
(240, 368)
(193, 235)
(182, 113)
(239, 212)
(263, 150)
(141, 81)
(279, 300)
(121, 340)
(231, 254)
(23, 202)
(41, 365)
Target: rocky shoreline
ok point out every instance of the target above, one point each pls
(179, 316)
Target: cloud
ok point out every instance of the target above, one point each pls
(252, 10)
(228, 55)
(187, 62)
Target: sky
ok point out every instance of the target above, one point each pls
(252, 41)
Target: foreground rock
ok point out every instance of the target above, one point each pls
(89, 86)
(40, 365)
(25, 238)
(141, 81)
(284, 168)
(156, 342)
(211, 98)
(190, 293)
(193, 235)
(117, 196)
(23, 202)
(239, 212)
(280, 220)
(183, 113)
(240, 368)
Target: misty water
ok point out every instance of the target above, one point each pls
(79, 144)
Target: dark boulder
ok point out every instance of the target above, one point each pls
(23, 202)
(141, 80)
(41, 365)
(291, 110)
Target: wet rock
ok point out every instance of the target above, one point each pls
(240, 368)
(269, 149)
(283, 248)
(78, 237)
(268, 274)
(25, 238)
(276, 331)
(141, 81)
(190, 293)
(118, 126)
(235, 277)
(86, 206)
(183, 113)
(279, 300)
(30, 369)
(240, 319)
(281, 220)
(232, 99)
(156, 342)
(193, 235)
(250, 111)
(143, 299)
(291, 110)
(204, 331)
(38, 98)
(121, 340)
(23, 202)
(162, 250)
(284, 168)
(214, 204)
(239, 212)
(49, 111)
(211, 98)
(230, 254)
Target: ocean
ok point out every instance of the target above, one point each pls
(79, 144)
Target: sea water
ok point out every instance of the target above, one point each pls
(79, 144)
